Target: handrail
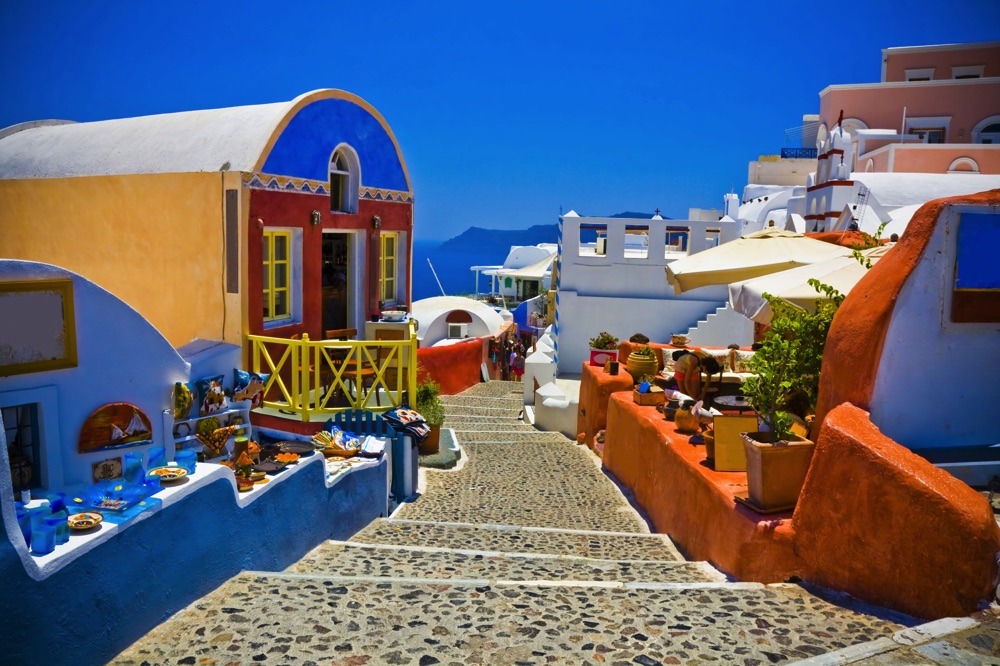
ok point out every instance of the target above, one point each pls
(325, 377)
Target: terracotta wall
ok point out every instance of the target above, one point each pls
(455, 367)
(873, 519)
(883, 524)
(596, 387)
(942, 61)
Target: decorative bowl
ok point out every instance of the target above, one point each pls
(287, 458)
(84, 521)
(393, 315)
(678, 340)
(167, 474)
(244, 484)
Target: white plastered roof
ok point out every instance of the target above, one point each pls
(429, 310)
(894, 190)
(189, 141)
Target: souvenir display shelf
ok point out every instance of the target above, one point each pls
(184, 432)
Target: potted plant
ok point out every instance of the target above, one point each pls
(787, 363)
(431, 408)
(603, 348)
(642, 361)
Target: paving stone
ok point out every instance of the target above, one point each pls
(516, 404)
(604, 546)
(347, 559)
(509, 437)
(298, 619)
(526, 483)
(488, 410)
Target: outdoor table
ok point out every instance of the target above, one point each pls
(737, 402)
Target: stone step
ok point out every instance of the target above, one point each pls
(483, 411)
(353, 559)
(491, 426)
(495, 389)
(555, 485)
(475, 401)
(507, 436)
(516, 539)
(295, 619)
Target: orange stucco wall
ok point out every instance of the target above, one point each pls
(596, 387)
(882, 107)
(689, 500)
(896, 63)
(153, 240)
(455, 367)
(854, 344)
(873, 518)
(883, 524)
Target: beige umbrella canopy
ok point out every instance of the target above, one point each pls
(753, 255)
(841, 273)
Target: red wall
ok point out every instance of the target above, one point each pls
(455, 367)
(293, 209)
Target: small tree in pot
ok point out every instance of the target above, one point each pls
(787, 363)
(430, 407)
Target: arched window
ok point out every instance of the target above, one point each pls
(964, 165)
(458, 317)
(345, 178)
(987, 131)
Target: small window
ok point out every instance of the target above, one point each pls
(976, 294)
(925, 74)
(929, 134)
(20, 425)
(276, 275)
(388, 257)
(344, 180)
(968, 72)
(990, 134)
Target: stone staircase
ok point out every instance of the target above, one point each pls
(526, 553)
(721, 329)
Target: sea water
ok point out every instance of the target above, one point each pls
(452, 268)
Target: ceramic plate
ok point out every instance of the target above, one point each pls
(269, 466)
(84, 521)
(167, 474)
(301, 448)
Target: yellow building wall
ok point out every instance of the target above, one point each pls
(153, 240)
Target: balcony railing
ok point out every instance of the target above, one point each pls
(323, 377)
(799, 153)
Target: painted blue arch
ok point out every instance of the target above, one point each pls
(304, 147)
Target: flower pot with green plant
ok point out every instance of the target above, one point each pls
(787, 365)
(603, 348)
(642, 362)
(431, 408)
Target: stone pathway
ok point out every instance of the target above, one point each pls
(525, 553)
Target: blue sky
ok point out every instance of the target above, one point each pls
(505, 111)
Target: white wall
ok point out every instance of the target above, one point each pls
(937, 382)
(437, 329)
(583, 317)
(122, 358)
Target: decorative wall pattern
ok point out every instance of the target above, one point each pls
(264, 181)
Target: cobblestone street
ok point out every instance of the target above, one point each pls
(524, 553)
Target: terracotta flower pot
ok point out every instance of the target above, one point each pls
(432, 442)
(776, 472)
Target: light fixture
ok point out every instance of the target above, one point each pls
(315, 218)
(376, 221)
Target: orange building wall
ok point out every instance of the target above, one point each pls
(879, 522)
(882, 107)
(896, 64)
(455, 367)
(153, 240)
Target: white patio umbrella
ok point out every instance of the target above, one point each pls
(760, 253)
(841, 273)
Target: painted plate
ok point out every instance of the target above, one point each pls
(301, 448)
(269, 466)
(167, 474)
(84, 521)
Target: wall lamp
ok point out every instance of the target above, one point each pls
(315, 218)
(376, 221)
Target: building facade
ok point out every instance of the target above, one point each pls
(277, 219)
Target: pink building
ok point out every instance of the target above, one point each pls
(935, 111)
